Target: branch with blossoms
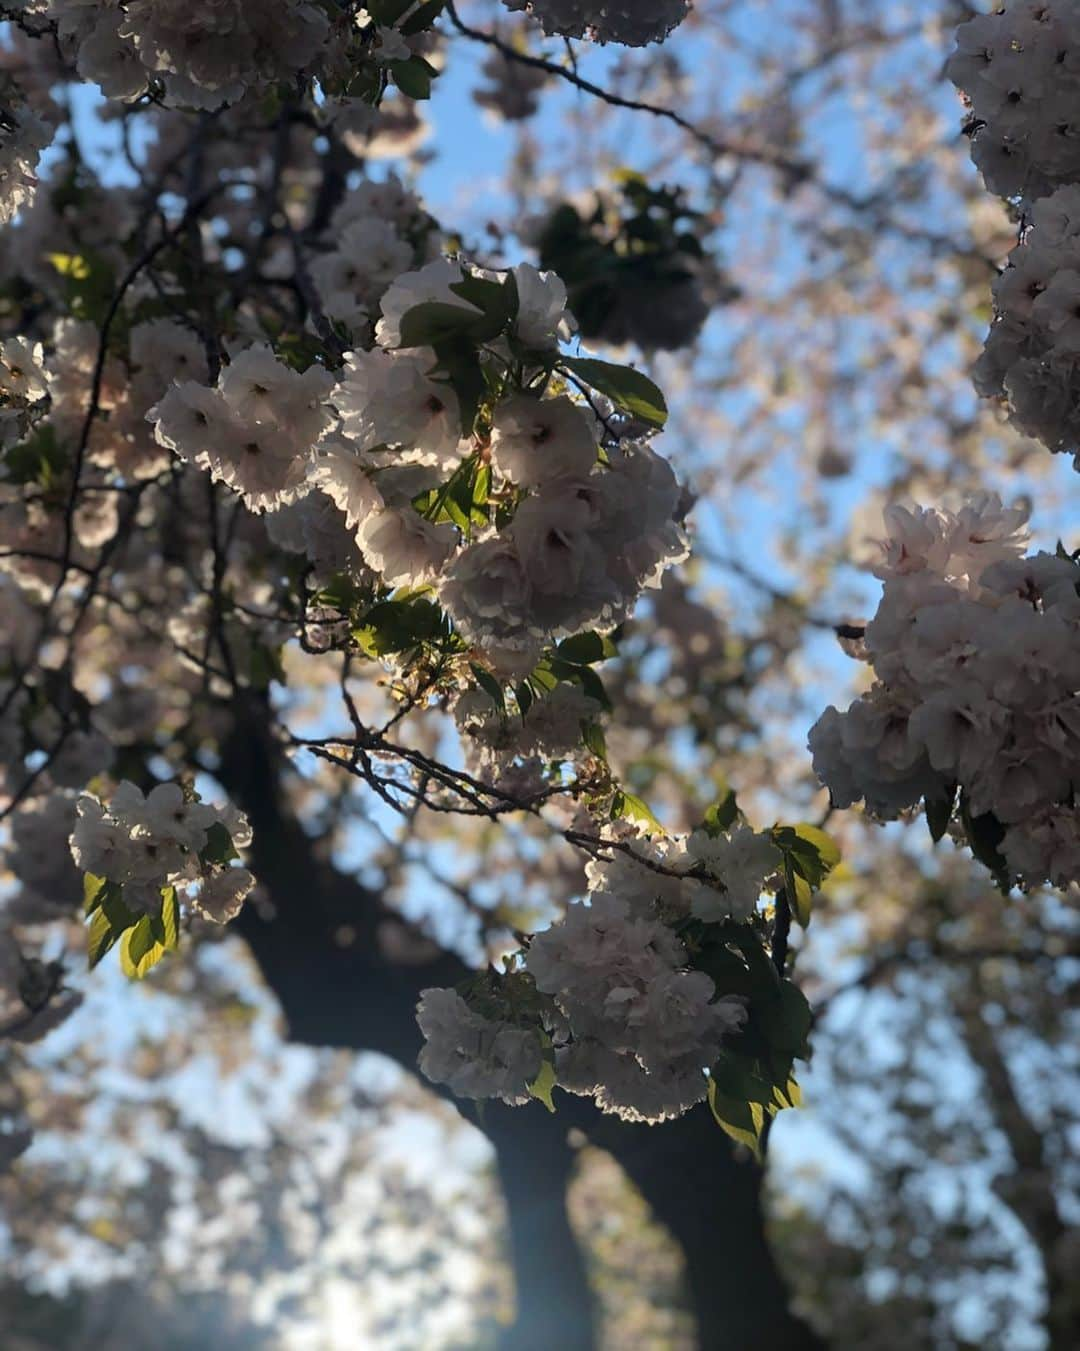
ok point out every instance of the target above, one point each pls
(292, 418)
(356, 438)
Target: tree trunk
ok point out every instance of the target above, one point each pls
(1030, 1190)
(535, 1162)
(344, 994)
(710, 1201)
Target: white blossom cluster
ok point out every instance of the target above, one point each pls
(976, 652)
(23, 383)
(205, 53)
(163, 351)
(48, 879)
(30, 725)
(1020, 71)
(161, 840)
(549, 729)
(627, 1019)
(377, 233)
(1032, 354)
(23, 136)
(631, 22)
(42, 411)
(255, 430)
(644, 1027)
(475, 1056)
(577, 553)
(580, 535)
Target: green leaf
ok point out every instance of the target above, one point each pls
(742, 1121)
(491, 687)
(141, 948)
(585, 648)
(541, 1086)
(765, 977)
(38, 459)
(627, 388)
(721, 816)
(524, 696)
(939, 811)
(785, 1020)
(118, 914)
(543, 678)
(219, 847)
(828, 851)
(435, 322)
(725, 968)
(461, 499)
(815, 854)
(386, 13)
(443, 325)
(481, 492)
(101, 938)
(71, 265)
(421, 19)
(628, 804)
(734, 1081)
(592, 736)
(94, 889)
(109, 918)
(413, 77)
(594, 688)
(89, 284)
(800, 894)
(554, 669)
(495, 299)
(459, 367)
(809, 856)
(170, 918)
(396, 625)
(984, 834)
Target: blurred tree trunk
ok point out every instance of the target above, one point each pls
(317, 950)
(1029, 1189)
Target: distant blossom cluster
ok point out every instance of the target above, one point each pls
(513, 89)
(144, 843)
(1020, 71)
(205, 53)
(634, 264)
(32, 1003)
(631, 22)
(976, 651)
(377, 233)
(1032, 354)
(608, 993)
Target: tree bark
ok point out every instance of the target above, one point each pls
(318, 952)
